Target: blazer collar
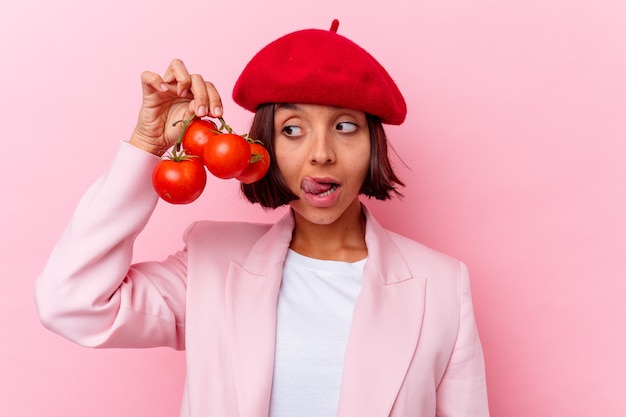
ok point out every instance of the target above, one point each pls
(384, 332)
(385, 328)
(251, 301)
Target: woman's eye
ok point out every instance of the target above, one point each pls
(346, 127)
(292, 130)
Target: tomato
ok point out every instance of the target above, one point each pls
(197, 135)
(179, 181)
(258, 165)
(226, 155)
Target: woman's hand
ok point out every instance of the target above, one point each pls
(176, 96)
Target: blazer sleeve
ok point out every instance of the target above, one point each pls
(88, 290)
(463, 391)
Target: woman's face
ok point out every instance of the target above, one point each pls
(324, 155)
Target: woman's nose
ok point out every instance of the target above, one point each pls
(322, 150)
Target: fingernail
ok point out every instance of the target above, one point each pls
(163, 87)
(201, 111)
(217, 111)
(183, 93)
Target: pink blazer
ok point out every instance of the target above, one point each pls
(413, 348)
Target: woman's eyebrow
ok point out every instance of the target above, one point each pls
(295, 107)
(288, 106)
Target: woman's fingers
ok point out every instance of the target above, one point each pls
(215, 101)
(200, 103)
(177, 74)
(154, 81)
(206, 99)
(175, 95)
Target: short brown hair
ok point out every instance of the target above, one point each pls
(271, 191)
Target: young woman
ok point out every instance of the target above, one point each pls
(324, 313)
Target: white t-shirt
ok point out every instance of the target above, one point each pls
(315, 308)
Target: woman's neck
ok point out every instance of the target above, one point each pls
(343, 240)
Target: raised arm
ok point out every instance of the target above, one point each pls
(89, 291)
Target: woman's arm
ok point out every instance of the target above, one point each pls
(463, 391)
(88, 291)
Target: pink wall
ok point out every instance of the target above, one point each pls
(515, 139)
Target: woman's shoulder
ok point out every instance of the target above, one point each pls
(411, 244)
(222, 232)
(419, 257)
(425, 258)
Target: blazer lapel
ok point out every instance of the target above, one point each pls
(251, 299)
(384, 333)
(385, 328)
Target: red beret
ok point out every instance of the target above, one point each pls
(315, 66)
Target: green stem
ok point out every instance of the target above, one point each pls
(225, 126)
(185, 123)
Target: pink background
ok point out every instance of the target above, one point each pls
(515, 143)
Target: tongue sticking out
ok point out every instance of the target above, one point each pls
(309, 185)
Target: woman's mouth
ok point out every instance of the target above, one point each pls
(320, 187)
(332, 188)
(319, 191)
